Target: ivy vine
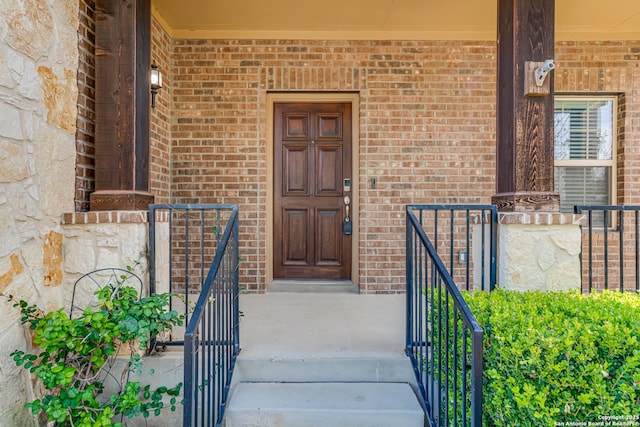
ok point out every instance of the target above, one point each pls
(76, 356)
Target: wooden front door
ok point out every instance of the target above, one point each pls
(312, 174)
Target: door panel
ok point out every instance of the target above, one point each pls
(295, 170)
(329, 233)
(296, 126)
(329, 126)
(295, 248)
(312, 157)
(328, 171)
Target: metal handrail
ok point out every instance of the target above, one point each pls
(212, 337)
(194, 233)
(200, 258)
(439, 323)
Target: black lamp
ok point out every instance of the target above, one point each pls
(156, 83)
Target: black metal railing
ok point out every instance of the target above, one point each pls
(183, 241)
(193, 253)
(465, 238)
(610, 252)
(212, 339)
(443, 338)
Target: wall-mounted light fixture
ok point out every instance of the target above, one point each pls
(156, 83)
(536, 82)
(541, 72)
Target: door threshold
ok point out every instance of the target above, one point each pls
(314, 286)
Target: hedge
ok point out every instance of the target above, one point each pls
(559, 359)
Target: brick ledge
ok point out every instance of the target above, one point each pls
(540, 218)
(105, 217)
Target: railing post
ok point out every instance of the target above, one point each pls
(476, 379)
(152, 249)
(189, 392)
(493, 248)
(410, 285)
(236, 287)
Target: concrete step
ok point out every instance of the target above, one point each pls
(313, 286)
(324, 405)
(390, 369)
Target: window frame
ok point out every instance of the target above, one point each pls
(612, 163)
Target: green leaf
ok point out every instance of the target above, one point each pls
(72, 352)
(551, 358)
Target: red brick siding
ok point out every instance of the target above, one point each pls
(427, 125)
(609, 67)
(427, 131)
(85, 122)
(160, 131)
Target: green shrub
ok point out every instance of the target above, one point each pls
(75, 355)
(555, 358)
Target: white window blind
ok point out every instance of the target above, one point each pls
(584, 147)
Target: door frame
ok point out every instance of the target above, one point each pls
(338, 97)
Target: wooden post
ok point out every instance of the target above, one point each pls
(123, 59)
(524, 175)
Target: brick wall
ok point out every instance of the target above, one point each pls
(160, 132)
(427, 125)
(85, 122)
(609, 67)
(427, 131)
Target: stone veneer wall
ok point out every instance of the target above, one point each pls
(95, 240)
(539, 251)
(38, 109)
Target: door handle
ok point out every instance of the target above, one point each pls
(347, 202)
(346, 224)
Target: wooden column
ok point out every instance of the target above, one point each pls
(123, 58)
(524, 175)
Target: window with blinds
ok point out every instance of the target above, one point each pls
(584, 150)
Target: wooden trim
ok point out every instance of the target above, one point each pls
(524, 124)
(527, 201)
(113, 200)
(354, 99)
(122, 111)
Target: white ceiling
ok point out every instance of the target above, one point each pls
(384, 19)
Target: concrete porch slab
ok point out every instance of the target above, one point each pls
(287, 325)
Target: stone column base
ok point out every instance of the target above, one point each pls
(539, 251)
